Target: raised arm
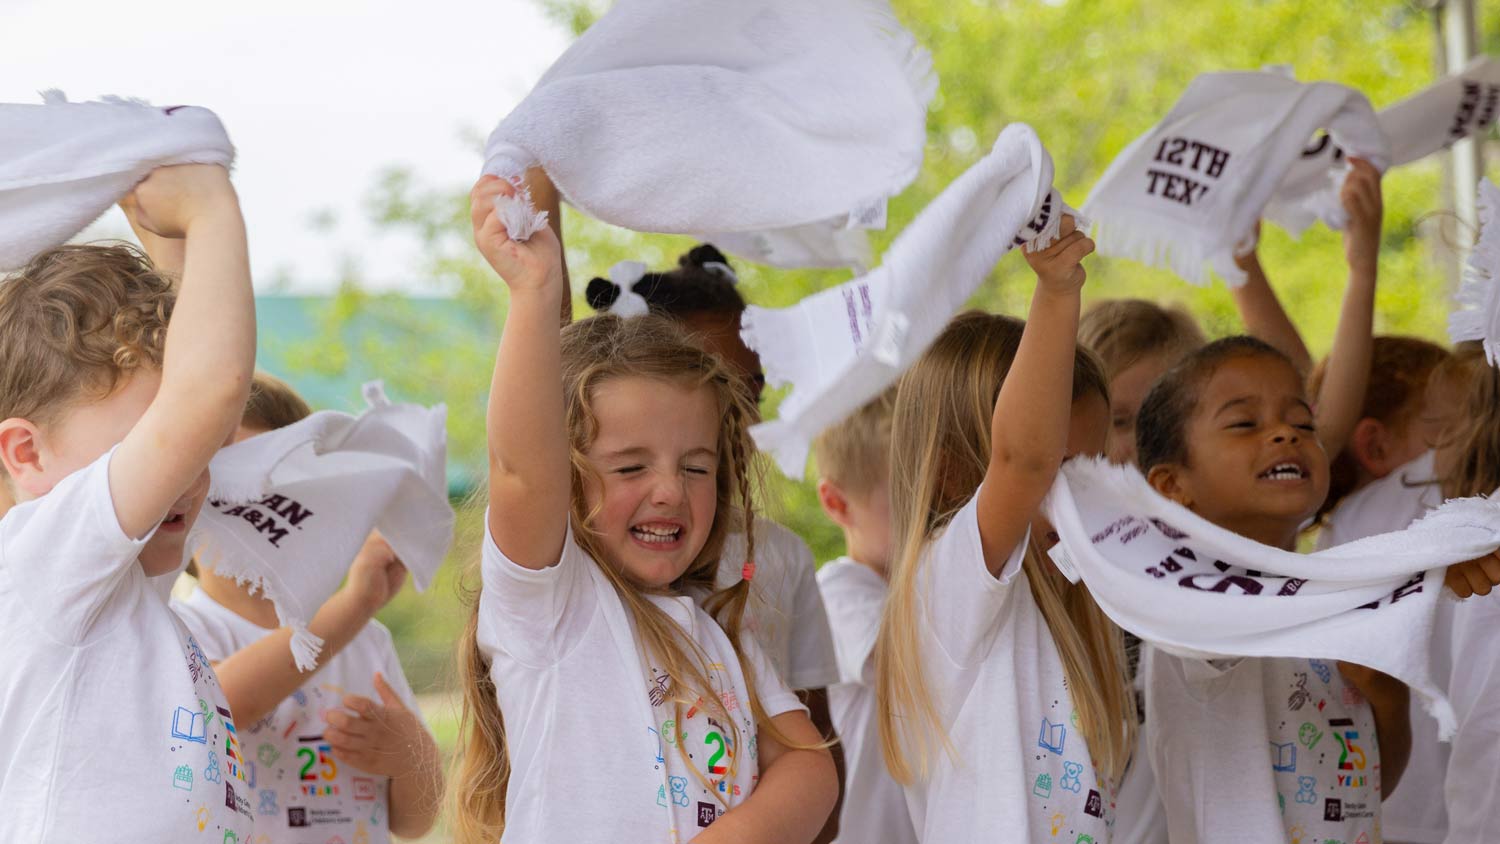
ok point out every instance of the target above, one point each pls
(1029, 429)
(210, 346)
(1342, 397)
(1264, 317)
(529, 469)
(544, 197)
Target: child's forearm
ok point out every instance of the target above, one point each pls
(1391, 701)
(544, 197)
(1342, 397)
(793, 798)
(1264, 317)
(257, 678)
(816, 701)
(416, 796)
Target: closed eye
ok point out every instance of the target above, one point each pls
(696, 470)
(628, 470)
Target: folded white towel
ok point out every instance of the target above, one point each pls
(289, 509)
(841, 347)
(1187, 194)
(774, 128)
(1478, 315)
(1197, 590)
(63, 164)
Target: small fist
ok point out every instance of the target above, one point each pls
(385, 738)
(376, 574)
(1059, 267)
(1362, 201)
(1475, 577)
(171, 198)
(532, 266)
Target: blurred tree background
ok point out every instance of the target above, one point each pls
(1089, 75)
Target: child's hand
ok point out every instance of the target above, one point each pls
(1475, 577)
(376, 574)
(532, 266)
(1250, 257)
(1059, 267)
(1362, 202)
(385, 738)
(170, 199)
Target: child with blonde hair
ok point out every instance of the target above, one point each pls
(116, 389)
(854, 489)
(609, 692)
(1004, 707)
(339, 752)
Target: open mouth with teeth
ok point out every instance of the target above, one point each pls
(1285, 472)
(657, 534)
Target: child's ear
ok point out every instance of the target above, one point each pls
(834, 502)
(1370, 447)
(1167, 479)
(20, 452)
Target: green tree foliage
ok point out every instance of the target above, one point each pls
(1089, 76)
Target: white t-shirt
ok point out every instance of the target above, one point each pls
(1262, 750)
(1415, 813)
(112, 723)
(589, 762)
(1023, 771)
(1473, 778)
(874, 808)
(302, 793)
(786, 610)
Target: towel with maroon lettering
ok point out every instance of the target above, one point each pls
(1188, 193)
(840, 347)
(1198, 590)
(289, 509)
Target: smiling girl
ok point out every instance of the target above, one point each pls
(609, 695)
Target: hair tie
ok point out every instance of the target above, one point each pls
(747, 571)
(627, 303)
(723, 270)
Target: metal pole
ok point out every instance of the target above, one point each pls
(1459, 33)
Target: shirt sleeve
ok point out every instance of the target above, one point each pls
(775, 696)
(534, 615)
(814, 663)
(1472, 787)
(67, 556)
(961, 601)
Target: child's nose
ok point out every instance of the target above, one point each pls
(668, 490)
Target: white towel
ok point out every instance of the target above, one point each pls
(1478, 314)
(774, 128)
(1187, 194)
(289, 509)
(1434, 118)
(1197, 590)
(841, 347)
(63, 164)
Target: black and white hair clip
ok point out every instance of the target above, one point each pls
(616, 295)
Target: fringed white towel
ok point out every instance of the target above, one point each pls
(774, 128)
(1187, 194)
(63, 164)
(841, 347)
(1478, 314)
(289, 509)
(1197, 590)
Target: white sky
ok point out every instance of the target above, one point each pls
(318, 96)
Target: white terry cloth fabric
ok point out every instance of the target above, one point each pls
(1196, 590)
(63, 164)
(842, 346)
(785, 612)
(1187, 194)
(1452, 108)
(769, 127)
(874, 809)
(1478, 317)
(289, 509)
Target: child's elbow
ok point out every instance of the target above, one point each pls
(822, 781)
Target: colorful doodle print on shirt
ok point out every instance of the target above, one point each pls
(703, 758)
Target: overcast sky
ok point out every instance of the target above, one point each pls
(318, 97)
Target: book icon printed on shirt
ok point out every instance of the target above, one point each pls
(1053, 736)
(1284, 756)
(189, 725)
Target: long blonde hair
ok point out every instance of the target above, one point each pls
(594, 351)
(1469, 453)
(940, 450)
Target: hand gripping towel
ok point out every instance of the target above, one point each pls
(63, 164)
(1478, 315)
(289, 509)
(1197, 590)
(841, 347)
(1187, 194)
(774, 128)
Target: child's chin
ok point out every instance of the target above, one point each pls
(159, 559)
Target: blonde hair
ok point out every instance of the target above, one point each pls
(940, 450)
(78, 320)
(854, 454)
(594, 351)
(1475, 436)
(273, 404)
(1123, 332)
